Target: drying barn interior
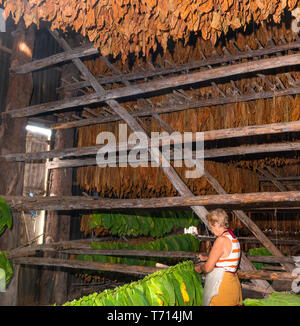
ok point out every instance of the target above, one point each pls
(224, 71)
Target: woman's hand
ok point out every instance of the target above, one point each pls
(202, 257)
(198, 269)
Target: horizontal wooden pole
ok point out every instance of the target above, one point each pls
(184, 67)
(5, 49)
(273, 259)
(84, 265)
(87, 250)
(179, 107)
(158, 85)
(68, 203)
(170, 254)
(55, 247)
(77, 247)
(137, 270)
(257, 289)
(134, 253)
(208, 154)
(82, 51)
(266, 275)
(253, 240)
(290, 178)
(211, 135)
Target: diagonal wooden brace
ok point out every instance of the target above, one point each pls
(245, 263)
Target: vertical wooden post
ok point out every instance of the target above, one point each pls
(53, 284)
(12, 139)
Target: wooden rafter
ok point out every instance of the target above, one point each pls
(158, 85)
(85, 244)
(138, 270)
(82, 51)
(237, 95)
(88, 50)
(196, 104)
(276, 179)
(5, 49)
(211, 135)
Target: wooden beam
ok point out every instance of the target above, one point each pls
(82, 51)
(106, 252)
(55, 246)
(138, 270)
(180, 107)
(84, 265)
(5, 49)
(274, 259)
(211, 135)
(67, 203)
(85, 249)
(209, 154)
(265, 275)
(187, 66)
(134, 253)
(171, 254)
(277, 175)
(252, 240)
(83, 151)
(158, 85)
(277, 184)
(289, 178)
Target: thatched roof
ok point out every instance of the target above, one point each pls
(139, 26)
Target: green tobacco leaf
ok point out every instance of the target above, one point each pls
(159, 288)
(5, 216)
(275, 299)
(169, 288)
(6, 265)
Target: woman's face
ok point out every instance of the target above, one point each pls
(216, 229)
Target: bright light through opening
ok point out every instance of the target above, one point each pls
(39, 130)
(40, 220)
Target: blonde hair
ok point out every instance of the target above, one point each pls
(218, 215)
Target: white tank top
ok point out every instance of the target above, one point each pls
(231, 262)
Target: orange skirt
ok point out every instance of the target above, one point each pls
(230, 291)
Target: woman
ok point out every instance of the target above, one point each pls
(222, 286)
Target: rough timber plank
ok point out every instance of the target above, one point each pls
(158, 85)
(180, 107)
(187, 66)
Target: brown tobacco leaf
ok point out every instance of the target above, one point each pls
(68, 10)
(235, 23)
(253, 5)
(217, 21)
(206, 6)
(90, 18)
(128, 25)
(78, 23)
(224, 5)
(292, 4)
